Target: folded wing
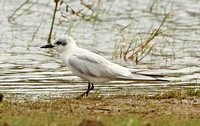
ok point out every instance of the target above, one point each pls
(93, 65)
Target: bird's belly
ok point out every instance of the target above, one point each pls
(95, 79)
(89, 78)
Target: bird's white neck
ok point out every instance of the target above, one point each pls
(67, 52)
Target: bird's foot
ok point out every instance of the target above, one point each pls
(87, 92)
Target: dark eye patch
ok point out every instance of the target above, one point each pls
(61, 43)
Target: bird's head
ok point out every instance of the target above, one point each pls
(61, 44)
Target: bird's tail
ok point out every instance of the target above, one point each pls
(143, 77)
(155, 76)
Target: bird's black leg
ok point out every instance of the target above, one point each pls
(88, 90)
(92, 86)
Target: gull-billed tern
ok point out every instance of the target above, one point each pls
(93, 67)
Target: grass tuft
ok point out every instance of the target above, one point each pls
(136, 47)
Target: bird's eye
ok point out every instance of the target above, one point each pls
(59, 43)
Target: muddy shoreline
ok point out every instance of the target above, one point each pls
(96, 110)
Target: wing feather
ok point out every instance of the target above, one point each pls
(92, 65)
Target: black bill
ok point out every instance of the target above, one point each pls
(47, 46)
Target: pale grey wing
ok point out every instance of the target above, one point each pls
(91, 65)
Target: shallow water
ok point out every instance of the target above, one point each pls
(27, 70)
